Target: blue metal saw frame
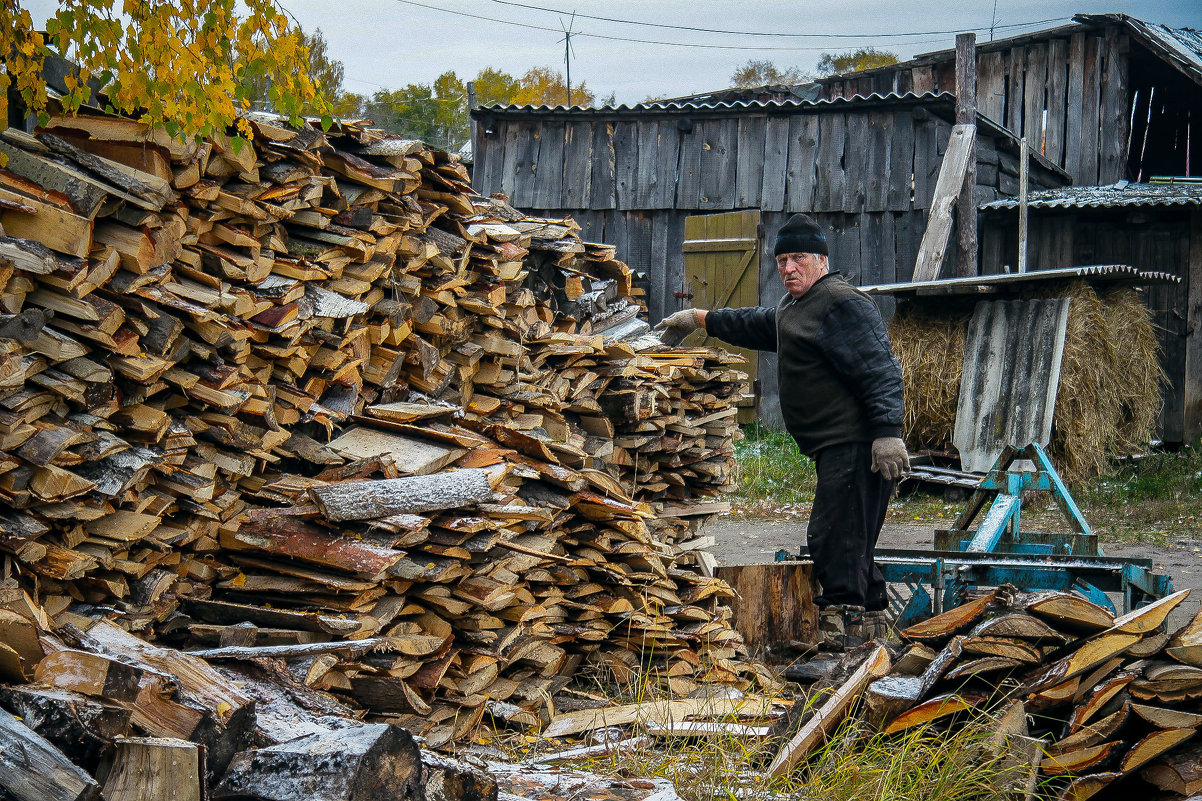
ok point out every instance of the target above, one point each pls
(1000, 552)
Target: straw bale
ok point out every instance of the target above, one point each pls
(1110, 378)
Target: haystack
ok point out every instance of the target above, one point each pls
(1110, 377)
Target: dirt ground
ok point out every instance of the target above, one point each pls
(743, 541)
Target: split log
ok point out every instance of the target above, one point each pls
(1153, 746)
(1179, 773)
(1068, 610)
(31, 769)
(155, 768)
(82, 728)
(450, 779)
(932, 710)
(365, 500)
(948, 622)
(365, 763)
(1086, 787)
(1150, 617)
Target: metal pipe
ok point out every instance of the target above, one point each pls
(1023, 167)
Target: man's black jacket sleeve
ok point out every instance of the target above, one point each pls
(854, 339)
(751, 327)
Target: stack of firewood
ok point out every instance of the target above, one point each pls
(1099, 704)
(98, 710)
(313, 389)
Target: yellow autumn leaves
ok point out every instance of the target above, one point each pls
(184, 65)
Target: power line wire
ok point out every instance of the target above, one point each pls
(775, 33)
(629, 39)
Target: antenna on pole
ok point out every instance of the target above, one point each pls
(568, 50)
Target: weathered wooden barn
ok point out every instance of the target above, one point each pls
(690, 189)
(865, 168)
(1107, 98)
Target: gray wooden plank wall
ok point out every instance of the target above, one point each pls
(828, 161)
(1069, 94)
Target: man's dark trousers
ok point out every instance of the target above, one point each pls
(849, 509)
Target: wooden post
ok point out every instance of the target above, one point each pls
(966, 114)
(1023, 167)
(1193, 325)
(471, 106)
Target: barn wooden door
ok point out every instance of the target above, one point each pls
(722, 268)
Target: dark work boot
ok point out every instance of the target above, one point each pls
(877, 626)
(840, 627)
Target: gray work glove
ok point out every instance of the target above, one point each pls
(889, 457)
(675, 327)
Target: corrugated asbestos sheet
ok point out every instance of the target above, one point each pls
(974, 285)
(1011, 374)
(1112, 196)
(707, 103)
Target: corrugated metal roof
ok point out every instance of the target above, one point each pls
(977, 284)
(1123, 193)
(687, 104)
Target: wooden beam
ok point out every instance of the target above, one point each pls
(966, 114)
(948, 188)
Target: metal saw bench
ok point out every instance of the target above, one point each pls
(999, 551)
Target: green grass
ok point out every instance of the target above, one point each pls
(772, 473)
(924, 764)
(856, 764)
(1148, 500)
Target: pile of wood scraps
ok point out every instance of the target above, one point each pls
(1102, 705)
(313, 391)
(101, 711)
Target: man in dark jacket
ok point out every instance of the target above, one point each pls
(841, 399)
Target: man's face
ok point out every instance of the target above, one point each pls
(800, 271)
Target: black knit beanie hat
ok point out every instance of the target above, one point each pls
(800, 235)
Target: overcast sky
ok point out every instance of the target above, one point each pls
(391, 43)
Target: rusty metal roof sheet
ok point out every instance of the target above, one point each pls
(1123, 193)
(980, 284)
(703, 103)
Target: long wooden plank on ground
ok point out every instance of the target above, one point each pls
(947, 190)
(656, 712)
(830, 713)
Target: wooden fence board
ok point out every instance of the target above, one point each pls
(1087, 169)
(750, 156)
(602, 193)
(664, 196)
(577, 164)
(1057, 86)
(717, 163)
(806, 161)
(548, 176)
(626, 163)
(777, 144)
